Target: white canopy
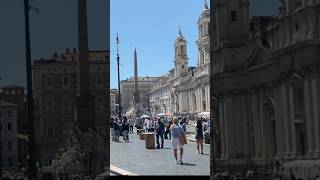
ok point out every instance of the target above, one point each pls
(204, 115)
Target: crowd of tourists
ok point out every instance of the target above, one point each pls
(173, 129)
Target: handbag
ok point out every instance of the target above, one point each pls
(183, 139)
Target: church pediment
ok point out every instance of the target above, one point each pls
(258, 55)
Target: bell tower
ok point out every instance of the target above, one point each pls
(181, 57)
(203, 41)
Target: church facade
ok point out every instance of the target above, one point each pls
(185, 90)
(265, 82)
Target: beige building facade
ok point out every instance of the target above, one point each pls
(127, 92)
(185, 90)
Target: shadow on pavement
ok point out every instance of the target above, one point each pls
(188, 164)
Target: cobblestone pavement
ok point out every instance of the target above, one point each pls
(135, 158)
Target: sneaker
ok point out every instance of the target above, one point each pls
(181, 162)
(177, 161)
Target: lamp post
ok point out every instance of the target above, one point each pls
(118, 64)
(0, 143)
(30, 116)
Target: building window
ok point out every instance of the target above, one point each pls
(99, 80)
(10, 161)
(298, 3)
(233, 16)
(66, 106)
(9, 113)
(100, 105)
(49, 81)
(49, 106)
(65, 81)
(50, 132)
(298, 97)
(9, 126)
(297, 27)
(9, 146)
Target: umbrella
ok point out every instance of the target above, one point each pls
(161, 114)
(144, 116)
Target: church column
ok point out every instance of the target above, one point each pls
(227, 121)
(244, 123)
(263, 125)
(278, 119)
(199, 100)
(308, 116)
(222, 127)
(189, 104)
(208, 97)
(315, 104)
(285, 119)
(186, 101)
(292, 124)
(256, 131)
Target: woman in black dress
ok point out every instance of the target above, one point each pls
(199, 136)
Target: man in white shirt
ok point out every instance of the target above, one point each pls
(150, 125)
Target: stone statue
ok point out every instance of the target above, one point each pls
(80, 150)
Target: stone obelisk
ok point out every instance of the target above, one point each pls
(85, 114)
(136, 95)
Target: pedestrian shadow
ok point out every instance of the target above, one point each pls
(188, 164)
(166, 148)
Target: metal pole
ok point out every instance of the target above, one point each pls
(30, 116)
(118, 63)
(0, 152)
(0, 144)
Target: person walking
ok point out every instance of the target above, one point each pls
(159, 133)
(176, 131)
(150, 125)
(137, 124)
(183, 123)
(168, 130)
(131, 124)
(125, 129)
(116, 127)
(199, 136)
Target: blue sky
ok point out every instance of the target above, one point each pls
(54, 29)
(151, 26)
